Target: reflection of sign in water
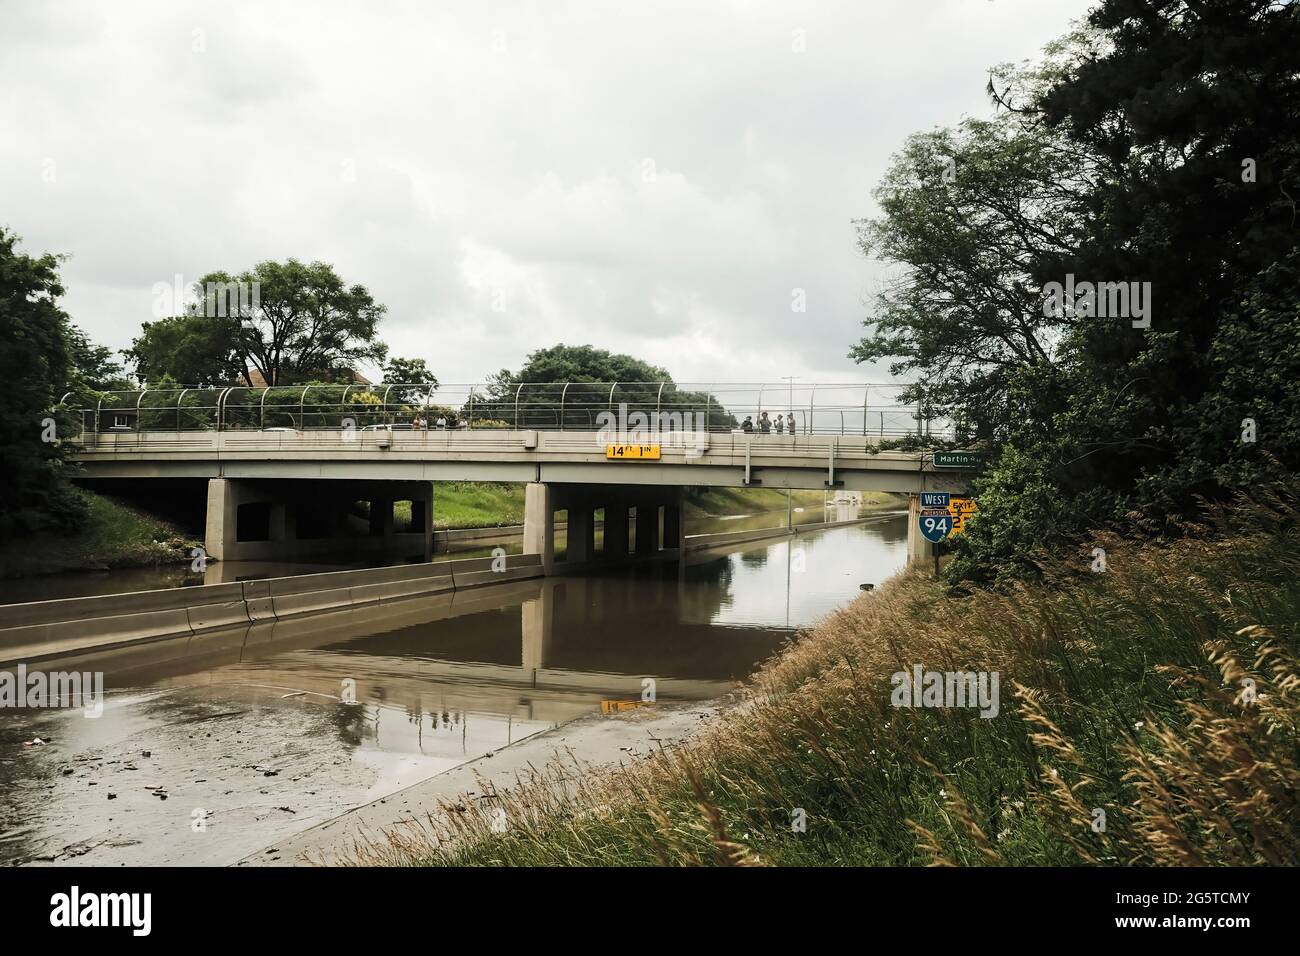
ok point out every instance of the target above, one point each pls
(632, 452)
(614, 706)
(961, 509)
(935, 524)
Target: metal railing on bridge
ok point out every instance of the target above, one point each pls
(866, 409)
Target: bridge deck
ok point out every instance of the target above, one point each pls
(779, 461)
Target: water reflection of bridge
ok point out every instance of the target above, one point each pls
(546, 649)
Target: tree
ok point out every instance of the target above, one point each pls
(1158, 146)
(401, 371)
(581, 363)
(536, 395)
(189, 349)
(297, 322)
(974, 219)
(1195, 109)
(39, 349)
(93, 366)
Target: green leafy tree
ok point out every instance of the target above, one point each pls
(189, 349)
(297, 322)
(972, 219)
(402, 371)
(408, 372)
(1157, 145)
(39, 352)
(536, 396)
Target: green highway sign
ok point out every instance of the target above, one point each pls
(958, 459)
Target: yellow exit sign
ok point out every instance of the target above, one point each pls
(632, 452)
(961, 509)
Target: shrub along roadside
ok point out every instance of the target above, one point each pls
(1161, 692)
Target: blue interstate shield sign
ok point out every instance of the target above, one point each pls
(935, 526)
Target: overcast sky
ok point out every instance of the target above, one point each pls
(654, 178)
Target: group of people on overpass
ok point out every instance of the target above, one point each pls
(766, 424)
(420, 424)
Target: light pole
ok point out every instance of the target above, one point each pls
(790, 407)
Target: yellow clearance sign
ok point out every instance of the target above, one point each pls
(961, 509)
(632, 452)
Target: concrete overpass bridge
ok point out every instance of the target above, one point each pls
(327, 470)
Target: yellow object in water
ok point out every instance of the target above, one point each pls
(614, 706)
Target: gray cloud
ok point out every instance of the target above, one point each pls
(649, 178)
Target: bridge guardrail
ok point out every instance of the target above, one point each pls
(865, 409)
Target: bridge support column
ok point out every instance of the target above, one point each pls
(647, 528)
(381, 515)
(422, 518)
(219, 533)
(675, 528)
(615, 532)
(919, 550)
(539, 523)
(582, 534)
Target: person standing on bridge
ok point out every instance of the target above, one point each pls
(790, 423)
(747, 425)
(764, 423)
(780, 424)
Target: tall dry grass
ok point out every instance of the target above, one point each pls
(1161, 693)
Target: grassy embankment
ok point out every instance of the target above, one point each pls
(114, 535)
(1162, 692)
(471, 504)
(475, 504)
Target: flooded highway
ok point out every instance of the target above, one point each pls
(211, 747)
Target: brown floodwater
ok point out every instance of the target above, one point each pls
(212, 747)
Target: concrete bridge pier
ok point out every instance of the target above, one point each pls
(653, 512)
(616, 534)
(919, 551)
(290, 520)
